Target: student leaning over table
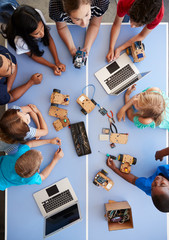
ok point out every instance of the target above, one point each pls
(150, 108)
(156, 186)
(8, 72)
(25, 30)
(147, 13)
(84, 13)
(24, 166)
(15, 127)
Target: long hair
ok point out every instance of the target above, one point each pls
(12, 128)
(144, 11)
(151, 105)
(70, 5)
(22, 23)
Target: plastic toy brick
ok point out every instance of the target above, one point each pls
(57, 112)
(119, 138)
(58, 98)
(86, 104)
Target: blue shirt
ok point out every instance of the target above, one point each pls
(8, 175)
(145, 183)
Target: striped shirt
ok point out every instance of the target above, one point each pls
(56, 11)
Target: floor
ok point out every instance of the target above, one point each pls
(43, 6)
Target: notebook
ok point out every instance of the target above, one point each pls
(59, 206)
(118, 75)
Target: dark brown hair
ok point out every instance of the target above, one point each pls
(144, 11)
(12, 127)
(70, 5)
(28, 163)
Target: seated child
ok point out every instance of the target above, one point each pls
(8, 72)
(23, 167)
(14, 126)
(156, 186)
(151, 106)
(25, 29)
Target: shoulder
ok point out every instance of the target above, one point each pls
(100, 6)
(145, 120)
(158, 18)
(154, 89)
(123, 7)
(23, 148)
(21, 46)
(56, 10)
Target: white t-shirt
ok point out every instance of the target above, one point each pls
(21, 46)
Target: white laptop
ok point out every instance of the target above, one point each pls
(59, 206)
(118, 75)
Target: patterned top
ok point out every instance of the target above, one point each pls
(56, 11)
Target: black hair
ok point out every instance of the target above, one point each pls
(144, 11)
(22, 23)
(161, 202)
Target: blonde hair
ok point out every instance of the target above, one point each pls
(28, 163)
(151, 105)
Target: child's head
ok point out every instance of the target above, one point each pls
(150, 105)
(79, 11)
(160, 193)
(7, 67)
(144, 11)
(14, 125)
(28, 163)
(27, 23)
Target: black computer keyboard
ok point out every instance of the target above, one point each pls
(119, 77)
(126, 86)
(80, 138)
(57, 201)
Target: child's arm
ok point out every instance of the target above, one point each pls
(139, 37)
(27, 109)
(11, 79)
(128, 177)
(127, 108)
(92, 32)
(43, 61)
(43, 128)
(66, 36)
(37, 143)
(162, 153)
(115, 30)
(53, 51)
(45, 173)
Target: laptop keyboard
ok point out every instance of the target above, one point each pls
(57, 201)
(120, 76)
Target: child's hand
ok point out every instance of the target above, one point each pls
(58, 154)
(61, 66)
(36, 78)
(159, 155)
(73, 52)
(56, 70)
(33, 108)
(121, 114)
(110, 55)
(56, 141)
(131, 89)
(117, 53)
(85, 50)
(110, 163)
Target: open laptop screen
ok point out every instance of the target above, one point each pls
(62, 219)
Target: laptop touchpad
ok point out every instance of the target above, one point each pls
(112, 67)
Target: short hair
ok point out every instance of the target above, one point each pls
(12, 126)
(161, 201)
(1, 61)
(28, 163)
(144, 11)
(69, 5)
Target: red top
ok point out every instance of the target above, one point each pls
(124, 6)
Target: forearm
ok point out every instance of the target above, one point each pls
(42, 61)
(45, 173)
(35, 119)
(66, 36)
(127, 176)
(53, 50)
(113, 36)
(43, 125)
(164, 152)
(139, 37)
(92, 33)
(37, 143)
